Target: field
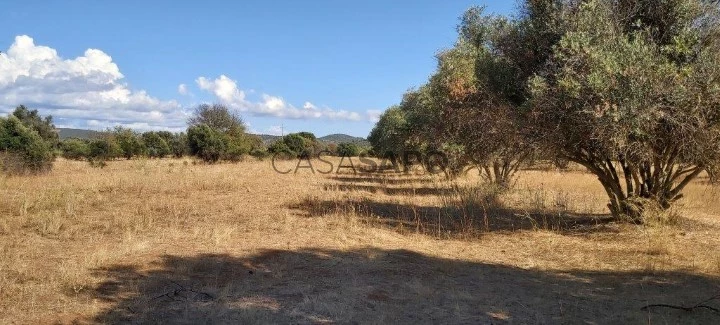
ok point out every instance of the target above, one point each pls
(157, 241)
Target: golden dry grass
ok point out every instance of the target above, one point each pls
(155, 241)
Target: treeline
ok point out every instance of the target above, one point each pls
(214, 134)
(29, 143)
(305, 144)
(629, 89)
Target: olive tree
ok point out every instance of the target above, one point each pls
(632, 92)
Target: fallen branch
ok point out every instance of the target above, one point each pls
(700, 305)
(181, 288)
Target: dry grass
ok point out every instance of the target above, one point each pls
(151, 241)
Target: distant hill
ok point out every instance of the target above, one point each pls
(332, 138)
(341, 138)
(65, 133)
(266, 138)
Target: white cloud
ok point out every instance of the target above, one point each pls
(227, 92)
(374, 115)
(87, 91)
(182, 90)
(275, 130)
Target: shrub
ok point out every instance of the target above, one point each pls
(75, 149)
(155, 145)
(206, 143)
(280, 148)
(348, 150)
(129, 142)
(43, 126)
(102, 149)
(179, 145)
(23, 149)
(260, 153)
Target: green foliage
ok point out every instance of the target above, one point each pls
(260, 153)
(129, 141)
(280, 148)
(43, 126)
(179, 145)
(155, 145)
(206, 143)
(215, 133)
(237, 147)
(103, 149)
(348, 150)
(308, 135)
(390, 132)
(217, 117)
(75, 149)
(632, 94)
(22, 149)
(298, 144)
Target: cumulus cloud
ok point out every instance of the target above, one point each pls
(182, 90)
(227, 92)
(87, 91)
(275, 130)
(374, 115)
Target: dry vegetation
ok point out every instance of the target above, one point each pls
(146, 241)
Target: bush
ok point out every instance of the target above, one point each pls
(179, 145)
(23, 149)
(75, 149)
(105, 148)
(280, 148)
(43, 126)
(260, 153)
(348, 150)
(129, 142)
(206, 143)
(155, 145)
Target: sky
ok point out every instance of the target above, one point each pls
(285, 66)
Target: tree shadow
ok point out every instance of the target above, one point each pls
(420, 190)
(456, 221)
(379, 179)
(372, 285)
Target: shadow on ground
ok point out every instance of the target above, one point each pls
(414, 190)
(381, 179)
(388, 286)
(444, 221)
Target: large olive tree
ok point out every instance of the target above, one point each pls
(632, 92)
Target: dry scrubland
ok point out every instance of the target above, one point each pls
(167, 240)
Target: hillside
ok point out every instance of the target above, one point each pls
(340, 138)
(332, 138)
(266, 138)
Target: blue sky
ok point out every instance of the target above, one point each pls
(321, 66)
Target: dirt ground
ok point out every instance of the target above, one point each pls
(170, 241)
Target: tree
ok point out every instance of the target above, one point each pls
(388, 136)
(298, 144)
(75, 149)
(155, 145)
(206, 143)
(280, 148)
(179, 145)
(346, 149)
(43, 126)
(22, 149)
(129, 141)
(632, 92)
(308, 135)
(103, 149)
(217, 117)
